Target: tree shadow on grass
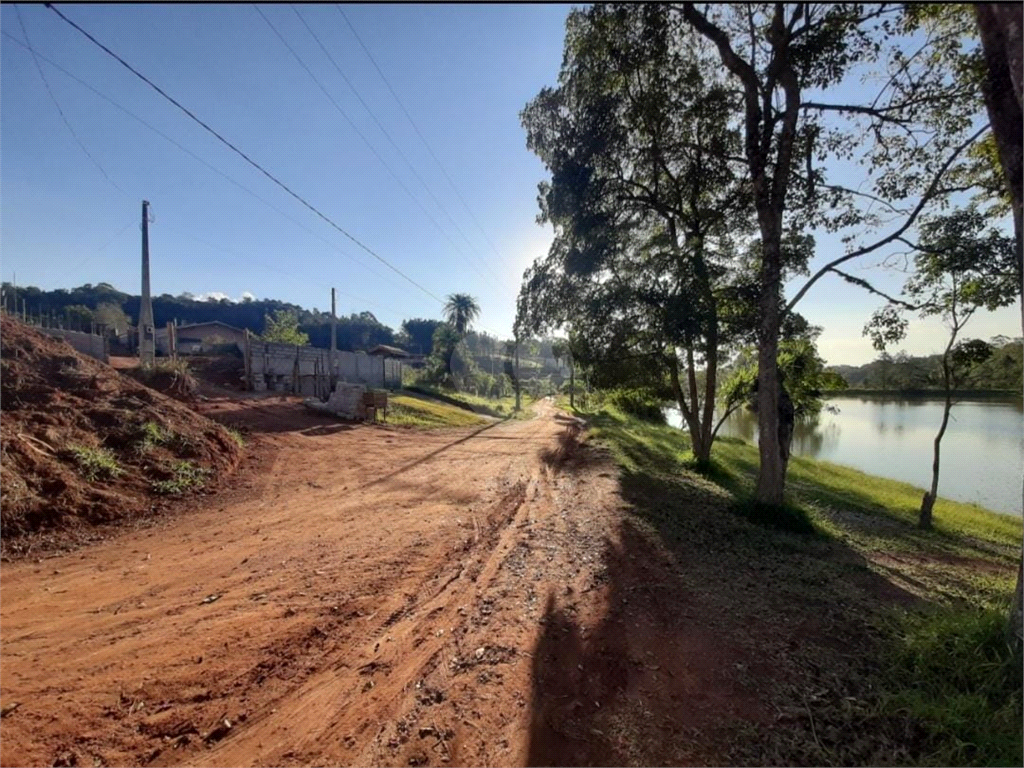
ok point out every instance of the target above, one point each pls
(713, 625)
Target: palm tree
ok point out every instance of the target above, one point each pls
(461, 310)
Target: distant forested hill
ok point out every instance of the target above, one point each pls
(903, 372)
(80, 306)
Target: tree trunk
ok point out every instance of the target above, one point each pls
(924, 519)
(1002, 28)
(572, 382)
(771, 475)
(1015, 629)
(701, 451)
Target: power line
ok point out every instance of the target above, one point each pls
(388, 136)
(56, 103)
(103, 247)
(352, 124)
(244, 156)
(197, 158)
(418, 132)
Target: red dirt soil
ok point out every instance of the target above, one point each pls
(371, 595)
(54, 399)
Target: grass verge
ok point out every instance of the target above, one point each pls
(409, 410)
(900, 656)
(185, 476)
(501, 407)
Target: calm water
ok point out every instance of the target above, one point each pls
(982, 457)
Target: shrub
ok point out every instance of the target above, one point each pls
(149, 435)
(637, 403)
(235, 435)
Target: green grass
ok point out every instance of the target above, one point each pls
(95, 463)
(812, 484)
(149, 435)
(501, 407)
(926, 676)
(185, 476)
(954, 673)
(409, 410)
(235, 435)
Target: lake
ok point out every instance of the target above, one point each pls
(982, 456)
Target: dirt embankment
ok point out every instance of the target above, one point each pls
(82, 444)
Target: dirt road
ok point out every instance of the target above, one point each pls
(366, 596)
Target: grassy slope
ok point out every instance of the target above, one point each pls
(926, 676)
(409, 410)
(502, 407)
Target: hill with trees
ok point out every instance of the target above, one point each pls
(1002, 371)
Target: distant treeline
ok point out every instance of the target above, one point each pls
(905, 373)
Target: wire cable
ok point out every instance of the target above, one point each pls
(53, 98)
(418, 132)
(361, 135)
(200, 160)
(391, 140)
(243, 155)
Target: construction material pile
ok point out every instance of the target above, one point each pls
(346, 401)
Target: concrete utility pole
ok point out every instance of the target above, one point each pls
(334, 337)
(519, 381)
(147, 333)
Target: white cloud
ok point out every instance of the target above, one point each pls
(220, 296)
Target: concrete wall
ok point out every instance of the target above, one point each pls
(275, 367)
(86, 343)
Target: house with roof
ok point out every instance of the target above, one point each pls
(198, 338)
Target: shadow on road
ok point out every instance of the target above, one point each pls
(710, 622)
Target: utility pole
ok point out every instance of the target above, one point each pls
(334, 337)
(147, 334)
(519, 383)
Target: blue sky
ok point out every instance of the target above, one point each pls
(463, 73)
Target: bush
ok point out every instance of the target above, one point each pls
(637, 403)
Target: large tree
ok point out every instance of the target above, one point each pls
(282, 327)
(646, 206)
(1002, 32)
(421, 334)
(788, 61)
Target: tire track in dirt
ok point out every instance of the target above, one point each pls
(304, 576)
